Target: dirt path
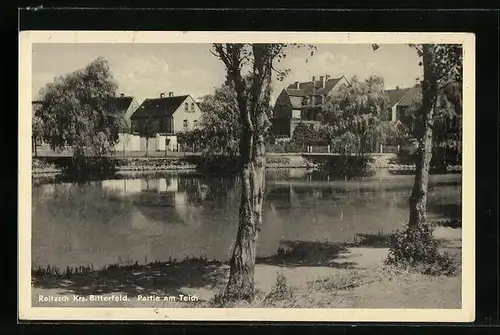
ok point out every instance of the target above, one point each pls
(355, 278)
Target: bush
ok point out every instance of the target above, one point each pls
(348, 166)
(280, 291)
(415, 248)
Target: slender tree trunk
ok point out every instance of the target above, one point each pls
(252, 151)
(35, 147)
(418, 198)
(147, 145)
(241, 278)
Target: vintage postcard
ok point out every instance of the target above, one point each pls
(246, 176)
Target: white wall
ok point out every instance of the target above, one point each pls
(127, 142)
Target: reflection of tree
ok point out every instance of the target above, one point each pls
(209, 189)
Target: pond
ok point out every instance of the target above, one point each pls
(175, 215)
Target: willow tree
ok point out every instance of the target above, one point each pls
(220, 121)
(249, 70)
(356, 113)
(78, 111)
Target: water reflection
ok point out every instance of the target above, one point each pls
(178, 215)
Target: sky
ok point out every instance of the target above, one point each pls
(146, 70)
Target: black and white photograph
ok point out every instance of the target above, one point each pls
(246, 176)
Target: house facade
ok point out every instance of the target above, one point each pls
(168, 116)
(401, 99)
(301, 102)
(125, 106)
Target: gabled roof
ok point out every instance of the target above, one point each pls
(404, 96)
(122, 103)
(410, 97)
(159, 107)
(306, 88)
(396, 94)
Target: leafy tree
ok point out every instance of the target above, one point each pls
(358, 109)
(76, 110)
(193, 138)
(220, 122)
(441, 86)
(305, 134)
(37, 132)
(147, 128)
(252, 90)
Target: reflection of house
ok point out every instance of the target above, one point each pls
(168, 116)
(122, 186)
(401, 99)
(302, 102)
(161, 201)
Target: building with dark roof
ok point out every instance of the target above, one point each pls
(170, 115)
(301, 102)
(125, 106)
(400, 99)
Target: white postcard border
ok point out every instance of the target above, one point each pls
(27, 312)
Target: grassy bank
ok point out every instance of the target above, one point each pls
(216, 164)
(301, 274)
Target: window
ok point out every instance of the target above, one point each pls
(195, 123)
(185, 123)
(186, 106)
(192, 106)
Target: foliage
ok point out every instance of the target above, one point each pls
(221, 129)
(37, 131)
(358, 109)
(249, 69)
(77, 111)
(147, 128)
(193, 138)
(348, 166)
(305, 134)
(415, 248)
(37, 127)
(280, 290)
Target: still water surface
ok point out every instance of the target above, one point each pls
(177, 215)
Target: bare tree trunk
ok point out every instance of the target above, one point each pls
(147, 145)
(252, 150)
(418, 198)
(241, 278)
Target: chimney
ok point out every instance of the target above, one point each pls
(162, 95)
(297, 85)
(322, 79)
(170, 94)
(122, 94)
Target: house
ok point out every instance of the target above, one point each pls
(125, 106)
(168, 117)
(400, 99)
(302, 102)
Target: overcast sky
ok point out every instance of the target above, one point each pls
(145, 70)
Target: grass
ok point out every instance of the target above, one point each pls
(123, 266)
(309, 274)
(356, 288)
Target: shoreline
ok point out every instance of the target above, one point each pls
(352, 275)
